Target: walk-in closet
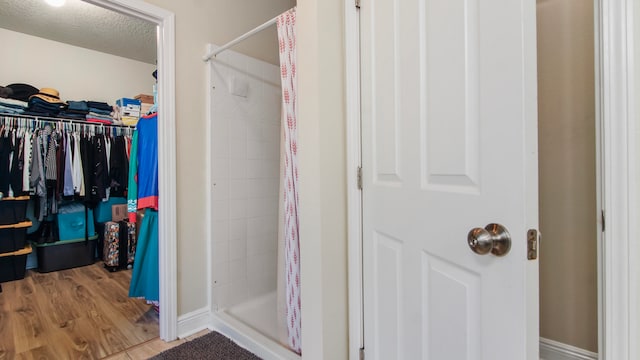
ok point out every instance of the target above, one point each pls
(78, 155)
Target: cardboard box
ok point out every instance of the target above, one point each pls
(130, 113)
(103, 211)
(128, 103)
(144, 98)
(129, 107)
(144, 108)
(130, 120)
(119, 212)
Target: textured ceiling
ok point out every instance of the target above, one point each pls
(81, 24)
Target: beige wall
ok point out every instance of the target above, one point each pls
(321, 132)
(568, 272)
(198, 23)
(45, 63)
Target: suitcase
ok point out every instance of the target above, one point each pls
(119, 245)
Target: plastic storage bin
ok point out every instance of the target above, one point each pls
(13, 210)
(73, 223)
(66, 254)
(12, 237)
(14, 265)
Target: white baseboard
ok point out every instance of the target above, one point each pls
(553, 350)
(250, 339)
(191, 323)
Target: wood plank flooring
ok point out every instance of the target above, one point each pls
(152, 347)
(80, 313)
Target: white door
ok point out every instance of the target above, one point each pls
(449, 144)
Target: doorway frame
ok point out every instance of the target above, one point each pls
(355, 284)
(618, 150)
(167, 227)
(618, 254)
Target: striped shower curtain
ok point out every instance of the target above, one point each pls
(290, 304)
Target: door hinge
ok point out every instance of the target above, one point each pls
(359, 177)
(602, 219)
(357, 4)
(532, 244)
(361, 353)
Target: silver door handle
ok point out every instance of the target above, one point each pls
(494, 238)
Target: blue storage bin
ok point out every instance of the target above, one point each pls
(71, 222)
(103, 210)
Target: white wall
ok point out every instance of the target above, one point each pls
(77, 73)
(246, 148)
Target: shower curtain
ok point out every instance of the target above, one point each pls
(289, 254)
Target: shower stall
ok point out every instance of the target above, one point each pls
(245, 154)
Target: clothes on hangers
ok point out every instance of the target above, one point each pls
(147, 129)
(55, 160)
(143, 195)
(5, 151)
(17, 163)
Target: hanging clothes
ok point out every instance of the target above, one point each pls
(143, 194)
(50, 205)
(78, 171)
(17, 164)
(28, 148)
(56, 160)
(119, 167)
(5, 152)
(145, 278)
(147, 128)
(99, 173)
(68, 189)
(132, 188)
(36, 173)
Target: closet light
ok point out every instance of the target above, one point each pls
(56, 3)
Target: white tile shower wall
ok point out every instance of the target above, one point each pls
(245, 170)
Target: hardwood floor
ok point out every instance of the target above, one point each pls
(151, 348)
(80, 313)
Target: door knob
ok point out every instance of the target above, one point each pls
(494, 238)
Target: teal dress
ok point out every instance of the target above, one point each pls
(145, 281)
(145, 278)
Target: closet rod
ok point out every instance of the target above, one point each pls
(239, 39)
(54, 119)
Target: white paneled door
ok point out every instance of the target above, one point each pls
(449, 144)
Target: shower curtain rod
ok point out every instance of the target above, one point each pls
(239, 39)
